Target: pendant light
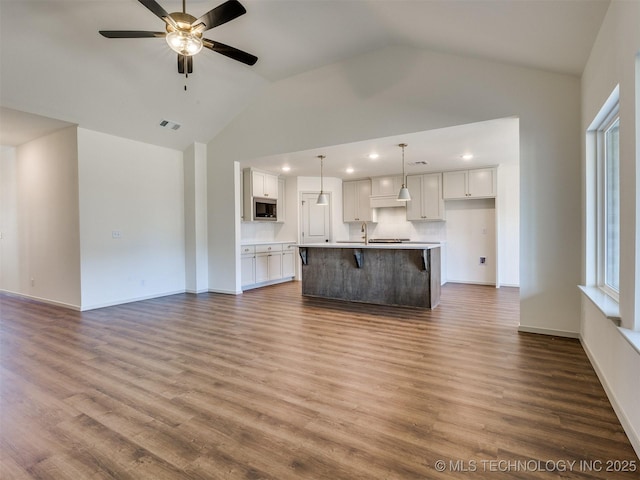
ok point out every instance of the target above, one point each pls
(403, 196)
(323, 198)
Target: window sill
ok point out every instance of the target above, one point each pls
(632, 337)
(610, 309)
(607, 305)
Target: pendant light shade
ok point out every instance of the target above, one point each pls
(403, 195)
(323, 198)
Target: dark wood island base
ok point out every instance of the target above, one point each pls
(403, 275)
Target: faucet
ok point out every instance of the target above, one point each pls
(363, 229)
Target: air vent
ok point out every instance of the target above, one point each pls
(419, 163)
(168, 124)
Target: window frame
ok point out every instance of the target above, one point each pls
(612, 116)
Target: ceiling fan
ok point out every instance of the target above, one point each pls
(184, 32)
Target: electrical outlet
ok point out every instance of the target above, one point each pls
(116, 234)
(483, 260)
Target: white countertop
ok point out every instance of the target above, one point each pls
(382, 246)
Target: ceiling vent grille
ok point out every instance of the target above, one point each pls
(419, 163)
(168, 124)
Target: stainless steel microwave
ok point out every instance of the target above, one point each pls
(265, 209)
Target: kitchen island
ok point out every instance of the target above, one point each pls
(405, 274)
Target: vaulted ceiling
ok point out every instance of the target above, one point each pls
(55, 64)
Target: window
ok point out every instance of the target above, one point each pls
(608, 159)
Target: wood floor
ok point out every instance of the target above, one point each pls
(270, 385)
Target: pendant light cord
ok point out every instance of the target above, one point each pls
(321, 157)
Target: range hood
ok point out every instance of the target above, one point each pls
(385, 201)
(384, 192)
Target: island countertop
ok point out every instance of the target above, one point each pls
(382, 246)
(406, 274)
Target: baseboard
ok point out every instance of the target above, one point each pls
(225, 292)
(467, 282)
(43, 300)
(634, 437)
(129, 300)
(266, 284)
(196, 292)
(548, 331)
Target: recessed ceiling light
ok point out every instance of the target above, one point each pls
(467, 156)
(286, 168)
(373, 156)
(349, 170)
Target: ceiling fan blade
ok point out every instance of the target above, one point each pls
(230, 52)
(159, 11)
(221, 14)
(185, 63)
(131, 34)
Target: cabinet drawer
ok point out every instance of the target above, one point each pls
(247, 249)
(268, 248)
(289, 247)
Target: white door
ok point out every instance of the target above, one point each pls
(315, 219)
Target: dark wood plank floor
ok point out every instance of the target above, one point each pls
(270, 385)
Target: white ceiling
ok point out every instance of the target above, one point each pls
(55, 64)
(492, 142)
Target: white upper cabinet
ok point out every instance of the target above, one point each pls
(281, 212)
(478, 183)
(386, 186)
(264, 184)
(384, 191)
(426, 197)
(355, 201)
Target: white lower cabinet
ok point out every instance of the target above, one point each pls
(288, 265)
(248, 265)
(267, 263)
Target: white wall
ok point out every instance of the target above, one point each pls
(613, 61)
(415, 90)
(195, 218)
(471, 228)
(136, 189)
(223, 227)
(9, 271)
(40, 208)
(508, 218)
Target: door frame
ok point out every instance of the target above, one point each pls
(301, 218)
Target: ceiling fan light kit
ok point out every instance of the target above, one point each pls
(184, 32)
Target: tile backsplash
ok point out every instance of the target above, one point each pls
(392, 223)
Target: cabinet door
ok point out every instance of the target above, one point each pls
(363, 192)
(248, 273)
(414, 206)
(281, 210)
(432, 202)
(349, 202)
(275, 266)
(455, 185)
(482, 182)
(257, 184)
(288, 267)
(262, 268)
(386, 185)
(270, 186)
